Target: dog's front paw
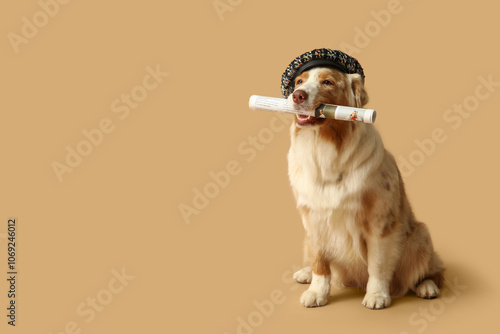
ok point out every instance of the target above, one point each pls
(376, 301)
(427, 289)
(303, 276)
(313, 298)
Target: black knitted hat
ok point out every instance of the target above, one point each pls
(318, 57)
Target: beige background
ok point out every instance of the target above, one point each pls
(120, 207)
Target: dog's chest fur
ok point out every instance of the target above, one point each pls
(330, 183)
(324, 177)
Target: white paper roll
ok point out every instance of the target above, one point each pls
(343, 113)
(258, 102)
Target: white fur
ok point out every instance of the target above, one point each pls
(427, 289)
(318, 292)
(377, 294)
(314, 173)
(304, 275)
(311, 87)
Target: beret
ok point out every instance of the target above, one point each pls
(318, 57)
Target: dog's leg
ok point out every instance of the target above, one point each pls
(319, 290)
(430, 287)
(382, 259)
(304, 275)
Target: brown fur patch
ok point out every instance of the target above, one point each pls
(336, 131)
(368, 201)
(303, 77)
(333, 130)
(411, 227)
(386, 179)
(321, 265)
(398, 287)
(366, 225)
(360, 96)
(391, 225)
(363, 216)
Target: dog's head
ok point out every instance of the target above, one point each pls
(325, 85)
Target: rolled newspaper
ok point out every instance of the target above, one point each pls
(343, 113)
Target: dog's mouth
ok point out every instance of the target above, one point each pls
(305, 120)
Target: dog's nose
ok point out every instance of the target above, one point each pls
(299, 96)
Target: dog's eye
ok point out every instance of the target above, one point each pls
(299, 81)
(327, 82)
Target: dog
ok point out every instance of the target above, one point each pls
(360, 230)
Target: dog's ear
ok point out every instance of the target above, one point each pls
(358, 90)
